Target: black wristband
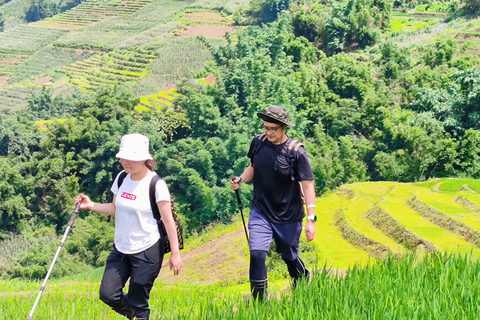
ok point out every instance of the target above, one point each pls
(239, 179)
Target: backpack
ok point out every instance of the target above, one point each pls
(156, 213)
(290, 152)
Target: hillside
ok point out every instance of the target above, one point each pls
(144, 46)
(358, 223)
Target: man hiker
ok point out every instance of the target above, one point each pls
(281, 172)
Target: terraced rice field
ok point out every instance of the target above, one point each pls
(27, 39)
(122, 66)
(92, 11)
(373, 220)
(9, 62)
(163, 99)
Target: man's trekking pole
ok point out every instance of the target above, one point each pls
(69, 226)
(241, 212)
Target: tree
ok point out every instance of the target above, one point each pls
(2, 22)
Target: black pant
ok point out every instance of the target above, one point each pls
(142, 268)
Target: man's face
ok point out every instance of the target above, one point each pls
(273, 131)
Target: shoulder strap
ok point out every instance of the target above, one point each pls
(292, 149)
(294, 145)
(121, 177)
(151, 194)
(259, 140)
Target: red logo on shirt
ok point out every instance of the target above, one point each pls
(128, 196)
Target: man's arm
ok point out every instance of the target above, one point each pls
(246, 176)
(309, 194)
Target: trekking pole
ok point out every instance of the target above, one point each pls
(241, 212)
(69, 226)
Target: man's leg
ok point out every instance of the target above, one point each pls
(145, 268)
(258, 274)
(261, 236)
(287, 240)
(116, 274)
(296, 269)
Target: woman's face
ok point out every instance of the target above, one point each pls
(132, 166)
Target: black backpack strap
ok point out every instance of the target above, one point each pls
(258, 142)
(292, 149)
(121, 177)
(151, 194)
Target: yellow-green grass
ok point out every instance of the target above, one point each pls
(403, 24)
(474, 198)
(97, 70)
(356, 211)
(43, 124)
(445, 203)
(153, 101)
(395, 203)
(455, 185)
(92, 11)
(332, 249)
(160, 101)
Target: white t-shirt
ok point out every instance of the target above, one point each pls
(135, 227)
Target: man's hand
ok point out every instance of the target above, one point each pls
(310, 230)
(235, 182)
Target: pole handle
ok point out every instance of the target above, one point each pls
(74, 215)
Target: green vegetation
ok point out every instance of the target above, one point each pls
(394, 288)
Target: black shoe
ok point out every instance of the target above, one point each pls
(125, 309)
(258, 287)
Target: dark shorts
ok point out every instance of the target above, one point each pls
(286, 236)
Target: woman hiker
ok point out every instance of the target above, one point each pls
(138, 251)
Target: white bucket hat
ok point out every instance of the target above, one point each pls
(134, 147)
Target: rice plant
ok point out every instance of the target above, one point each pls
(438, 286)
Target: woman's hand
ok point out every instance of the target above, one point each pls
(175, 263)
(86, 204)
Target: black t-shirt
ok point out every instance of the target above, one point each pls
(275, 195)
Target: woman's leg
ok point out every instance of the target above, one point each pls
(145, 268)
(116, 274)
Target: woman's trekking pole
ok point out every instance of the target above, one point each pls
(69, 226)
(241, 212)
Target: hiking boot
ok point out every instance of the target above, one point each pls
(125, 309)
(258, 288)
(307, 276)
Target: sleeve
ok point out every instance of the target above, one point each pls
(114, 187)
(161, 191)
(251, 150)
(304, 168)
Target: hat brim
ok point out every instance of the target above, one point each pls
(133, 156)
(264, 117)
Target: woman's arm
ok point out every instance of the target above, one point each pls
(105, 208)
(165, 209)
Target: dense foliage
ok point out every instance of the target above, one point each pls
(371, 114)
(2, 22)
(41, 9)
